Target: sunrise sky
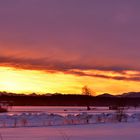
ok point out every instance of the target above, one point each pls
(49, 46)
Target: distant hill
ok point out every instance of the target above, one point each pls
(127, 95)
(106, 99)
(131, 94)
(105, 95)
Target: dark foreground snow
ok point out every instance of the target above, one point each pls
(110, 131)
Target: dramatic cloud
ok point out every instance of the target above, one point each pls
(48, 64)
(93, 39)
(104, 32)
(52, 66)
(123, 77)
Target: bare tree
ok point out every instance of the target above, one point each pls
(88, 92)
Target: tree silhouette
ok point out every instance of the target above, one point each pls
(88, 92)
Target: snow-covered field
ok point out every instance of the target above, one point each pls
(49, 116)
(64, 110)
(115, 131)
(69, 123)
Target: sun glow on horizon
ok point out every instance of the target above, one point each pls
(29, 81)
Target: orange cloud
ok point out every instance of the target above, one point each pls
(52, 66)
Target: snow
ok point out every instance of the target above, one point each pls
(113, 131)
(43, 123)
(45, 119)
(64, 110)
